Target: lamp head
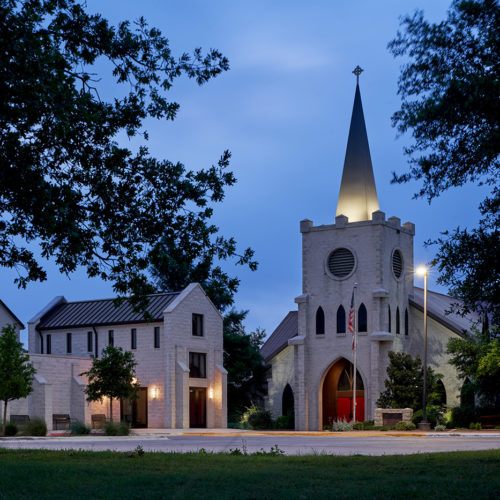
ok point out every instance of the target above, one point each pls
(421, 271)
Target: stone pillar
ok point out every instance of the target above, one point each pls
(300, 396)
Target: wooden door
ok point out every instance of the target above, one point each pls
(197, 407)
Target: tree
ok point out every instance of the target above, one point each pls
(404, 385)
(450, 88)
(246, 378)
(111, 376)
(67, 184)
(16, 373)
(477, 360)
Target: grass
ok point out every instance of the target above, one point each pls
(83, 474)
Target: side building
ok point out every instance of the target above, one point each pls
(178, 350)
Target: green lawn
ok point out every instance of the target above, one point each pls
(80, 474)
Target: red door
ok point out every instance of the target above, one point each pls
(197, 407)
(344, 409)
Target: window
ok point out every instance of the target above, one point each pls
(111, 337)
(49, 343)
(406, 321)
(197, 365)
(133, 338)
(398, 325)
(341, 319)
(362, 319)
(96, 345)
(320, 321)
(198, 325)
(89, 341)
(157, 337)
(68, 343)
(389, 322)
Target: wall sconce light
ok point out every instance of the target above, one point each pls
(211, 393)
(134, 381)
(154, 392)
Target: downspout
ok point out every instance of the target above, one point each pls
(96, 338)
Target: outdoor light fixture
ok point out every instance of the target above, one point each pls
(424, 425)
(134, 381)
(211, 393)
(154, 392)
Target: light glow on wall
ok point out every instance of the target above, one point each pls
(154, 392)
(211, 393)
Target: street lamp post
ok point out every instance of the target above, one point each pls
(424, 425)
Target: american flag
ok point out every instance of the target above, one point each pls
(351, 319)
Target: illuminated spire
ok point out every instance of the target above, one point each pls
(358, 195)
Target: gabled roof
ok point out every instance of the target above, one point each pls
(437, 305)
(278, 340)
(2, 303)
(358, 195)
(90, 313)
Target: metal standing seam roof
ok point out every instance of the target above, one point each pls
(438, 304)
(278, 340)
(103, 312)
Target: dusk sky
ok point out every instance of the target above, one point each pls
(283, 110)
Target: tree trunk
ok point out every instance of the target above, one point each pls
(111, 409)
(4, 419)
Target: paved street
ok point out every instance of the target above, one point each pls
(334, 444)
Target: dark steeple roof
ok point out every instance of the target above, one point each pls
(358, 195)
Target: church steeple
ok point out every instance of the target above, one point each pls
(358, 195)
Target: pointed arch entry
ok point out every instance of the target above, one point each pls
(337, 393)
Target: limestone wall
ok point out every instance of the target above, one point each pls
(282, 368)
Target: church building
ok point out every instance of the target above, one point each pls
(310, 354)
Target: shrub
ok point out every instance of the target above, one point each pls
(440, 428)
(434, 415)
(405, 426)
(116, 429)
(35, 427)
(342, 426)
(462, 416)
(79, 428)
(358, 426)
(475, 425)
(283, 422)
(11, 429)
(255, 417)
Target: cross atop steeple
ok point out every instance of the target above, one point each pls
(357, 71)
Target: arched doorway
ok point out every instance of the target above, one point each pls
(287, 401)
(338, 393)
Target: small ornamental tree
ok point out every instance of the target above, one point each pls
(404, 384)
(111, 376)
(16, 373)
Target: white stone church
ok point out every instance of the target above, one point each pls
(310, 353)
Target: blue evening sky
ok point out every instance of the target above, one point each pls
(283, 110)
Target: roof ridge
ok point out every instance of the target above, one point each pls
(114, 298)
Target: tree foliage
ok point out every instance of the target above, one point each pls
(111, 376)
(68, 186)
(477, 360)
(246, 379)
(450, 90)
(404, 385)
(16, 372)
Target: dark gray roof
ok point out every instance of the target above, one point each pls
(278, 340)
(103, 312)
(21, 326)
(437, 305)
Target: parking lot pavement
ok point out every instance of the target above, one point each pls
(291, 444)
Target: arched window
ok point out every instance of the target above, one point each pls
(287, 401)
(320, 321)
(398, 325)
(389, 323)
(362, 319)
(406, 322)
(341, 319)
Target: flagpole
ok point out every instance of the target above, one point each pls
(355, 321)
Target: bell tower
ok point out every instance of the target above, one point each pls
(361, 247)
